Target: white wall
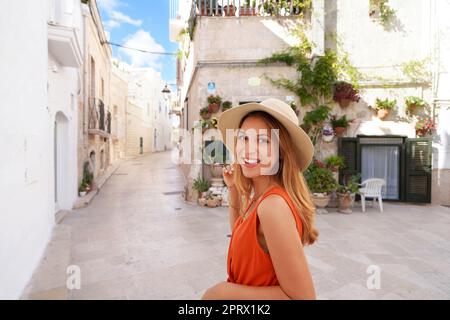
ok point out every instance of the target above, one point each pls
(26, 218)
(63, 88)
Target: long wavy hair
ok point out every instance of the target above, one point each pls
(288, 176)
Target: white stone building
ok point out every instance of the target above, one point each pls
(148, 121)
(213, 57)
(40, 95)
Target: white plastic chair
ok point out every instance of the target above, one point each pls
(371, 188)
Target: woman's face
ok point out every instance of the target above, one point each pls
(256, 148)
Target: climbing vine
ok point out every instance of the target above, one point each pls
(316, 78)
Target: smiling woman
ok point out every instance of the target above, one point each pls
(271, 213)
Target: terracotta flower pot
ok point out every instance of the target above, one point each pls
(202, 202)
(212, 203)
(231, 8)
(382, 113)
(340, 131)
(213, 107)
(346, 202)
(248, 11)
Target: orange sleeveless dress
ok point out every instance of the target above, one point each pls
(247, 263)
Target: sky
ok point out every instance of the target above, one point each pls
(140, 24)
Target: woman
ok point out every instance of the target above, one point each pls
(271, 213)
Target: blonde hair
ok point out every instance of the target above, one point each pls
(288, 176)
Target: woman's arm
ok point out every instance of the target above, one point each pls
(286, 248)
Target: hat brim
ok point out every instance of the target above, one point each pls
(302, 145)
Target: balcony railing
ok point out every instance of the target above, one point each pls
(99, 118)
(250, 8)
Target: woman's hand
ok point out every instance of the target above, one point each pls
(228, 175)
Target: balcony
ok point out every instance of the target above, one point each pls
(250, 8)
(64, 23)
(99, 119)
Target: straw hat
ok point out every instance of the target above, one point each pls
(302, 145)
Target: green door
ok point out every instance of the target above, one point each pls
(349, 149)
(418, 170)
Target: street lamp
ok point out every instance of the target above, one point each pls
(166, 92)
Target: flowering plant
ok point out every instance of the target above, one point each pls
(425, 127)
(328, 131)
(345, 91)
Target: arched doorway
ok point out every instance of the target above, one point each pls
(61, 158)
(93, 163)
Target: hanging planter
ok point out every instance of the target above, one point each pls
(414, 103)
(327, 133)
(205, 113)
(383, 107)
(345, 93)
(226, 105)
(214, 103)
(340, 125)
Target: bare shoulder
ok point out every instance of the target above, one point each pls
(275, 208)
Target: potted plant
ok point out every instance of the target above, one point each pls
(226, 105)
(345, 93)
(327, 133)
(202, 185)
(384, 106)
(204, 113)
(214, 103)
(340, 125)
(346, 194)
(83, 189)
(334, 163)
(321, 183)
(412, 103)
(425, 127)
(248, 10)
(229, 10)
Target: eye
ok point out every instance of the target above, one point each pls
(241, 136)
(263, 140)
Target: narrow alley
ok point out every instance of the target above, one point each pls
(136, 240)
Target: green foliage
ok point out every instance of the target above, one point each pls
(316, 116)
(415, 101)
(88, 176)
(214, 99)
(386, 13)
(385, 104)
(226, 105)
(334, 161)
(201, 184)
(341, 122)
(417, 70)
(351, 186)
(320, 179)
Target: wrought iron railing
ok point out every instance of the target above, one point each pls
(250, 8)
(99, 117)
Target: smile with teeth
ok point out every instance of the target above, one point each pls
(251, 161)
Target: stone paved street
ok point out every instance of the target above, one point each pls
(139, 240)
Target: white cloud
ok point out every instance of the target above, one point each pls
(142, 40)
(116, 17)
(109, 5)
(119, 17)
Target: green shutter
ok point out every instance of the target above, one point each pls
(348, 148)
(418, 170)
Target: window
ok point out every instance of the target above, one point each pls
(92, 79)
